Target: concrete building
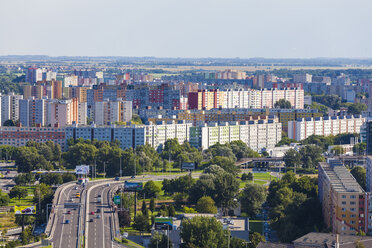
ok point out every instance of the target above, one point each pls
(10, 107)
(132, 135)
(264, 98)
(257, 135)
(33, 112)
(19, 136)
(303, 78)
(112, 111)
(324, 126)
(343, 200)
(62, 112)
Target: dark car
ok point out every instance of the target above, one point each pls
(91, 220)
(98, 210)
(67, 221)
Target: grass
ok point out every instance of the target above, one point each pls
(24, 201)
(7, 220)
(243, 183)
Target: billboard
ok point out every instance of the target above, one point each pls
(82, 169)
(25, 210)
(132, 186)
(188, 166)
(162, 223)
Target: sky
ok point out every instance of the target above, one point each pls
(187, 28)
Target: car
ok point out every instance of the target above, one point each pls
(68, 212)
(92, 213)
(117, 178)
(108, 185)
(91, 220)
(133, 177)
(67, 221)
(98, 196)
(76, 187)
(98, 210)
(98, 216)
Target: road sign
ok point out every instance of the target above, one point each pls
(25, 210)
(188, 166)
(117, 199)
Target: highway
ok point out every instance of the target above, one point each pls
(99, 231)
(66, 235)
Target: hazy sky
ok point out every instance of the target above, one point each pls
(187, 28)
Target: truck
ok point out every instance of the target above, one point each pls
(83, 181)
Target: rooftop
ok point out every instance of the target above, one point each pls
(340, 178)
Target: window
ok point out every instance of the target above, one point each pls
(343, 196)
(352, 197)
(343, 203)
(352, 209)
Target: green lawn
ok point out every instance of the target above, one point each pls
(24, 201)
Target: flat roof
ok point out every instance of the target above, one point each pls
(340, 178)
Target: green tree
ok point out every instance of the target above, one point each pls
(203, 232)
(52, 179)
(360, 148)
(124, 218)
(286, 141)
(356, 108)
(80, 153)
(292, 158)
(9, 123)
(150, 190)
(359, 173)
(181, 184)
(255, 239)
(23, 179)
(337, 150)
(206, 205)
(152, 205)
(252, 198)
(4, 199)
(241, 150)
(359, 244)
(171, 211)
(283, 104)
(18, 192)
(226, 163)
(144, 208)
(311, 156)
(159, 240)
(141, 223)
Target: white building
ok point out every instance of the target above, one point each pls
(134, 135)
(112, 111)
(303, 78)
(10, 107)
(257, 134)
(324, 126)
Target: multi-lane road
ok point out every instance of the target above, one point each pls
(90, 219)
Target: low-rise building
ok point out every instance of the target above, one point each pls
(19, 136)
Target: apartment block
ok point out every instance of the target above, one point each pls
(10, 107)
(133, 135)
(33, 112)
(328, 125)
(264, 98)
(257, 134)
(343, 200)
(112, 111)
(19, 136)
(62, 112)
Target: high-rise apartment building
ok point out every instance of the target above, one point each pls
(62, 112)
(112, 111)
(368, 134)
(10, 107)
(343, 200)
(324, 126)
(33, 112)
(34, 75)
(303, 78)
